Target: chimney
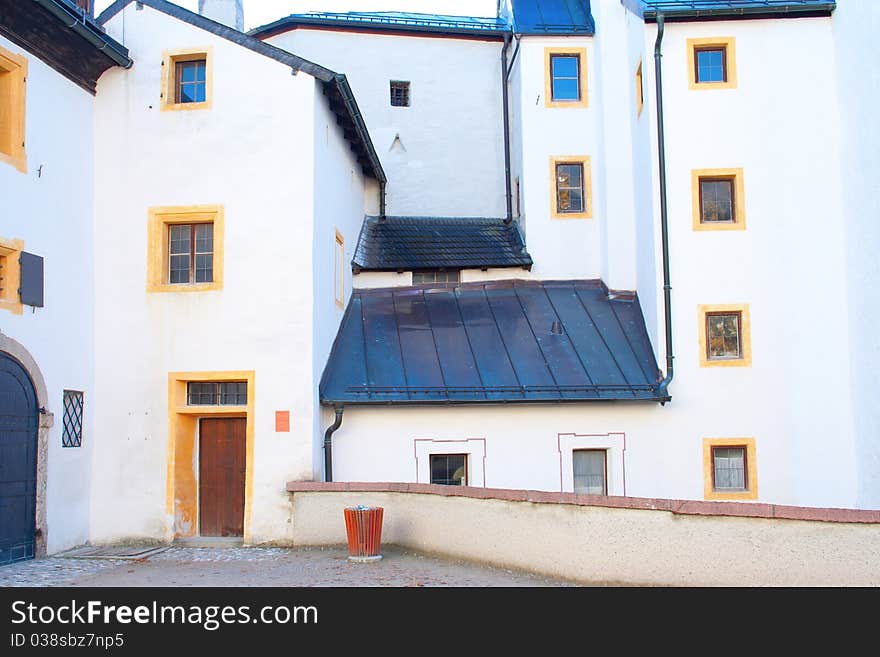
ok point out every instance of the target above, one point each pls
(228, 12)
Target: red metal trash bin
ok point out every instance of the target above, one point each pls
(363, 525)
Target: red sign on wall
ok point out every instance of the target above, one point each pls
(282, 421)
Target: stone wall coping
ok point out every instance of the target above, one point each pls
(677, 507)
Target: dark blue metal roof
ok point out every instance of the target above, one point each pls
(725, 9)
(504, 341)
(419, 243)
(553, 17)
(388, 20)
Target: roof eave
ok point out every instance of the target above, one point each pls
(495, 402)
(291, 23)
(89, 31)
(729, 13)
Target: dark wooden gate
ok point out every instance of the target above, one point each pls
(18, 462)
(222, 466)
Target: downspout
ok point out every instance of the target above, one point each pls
(504, 102)
(662, 387)
(328, 443)
(382, 184)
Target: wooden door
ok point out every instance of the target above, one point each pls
(222, 466)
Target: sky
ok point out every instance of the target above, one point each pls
(260, 12)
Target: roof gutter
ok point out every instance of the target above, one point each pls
(76, 21)
(662, 387)
(351, 105)
(763, 10)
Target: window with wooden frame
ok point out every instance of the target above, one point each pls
(187, 79)
(718, 199)
(590, 469)
(185, 249)
(565, 77)
(449, 469)
(729, 469)
(571, 187)
(724, 336)
(712, 63)
(400, 93)
(10, 275)
(13, 80)
(640, 91)
(339, 270)
(216, 393)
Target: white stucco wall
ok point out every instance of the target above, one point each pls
(50, 208)
(452, 160)
(858, 88)
(338, 207)
(254, 153)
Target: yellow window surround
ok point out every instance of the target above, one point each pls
(168, 94)
(739, 200)
(13, 81)
(10, 275)
(583, 160)
(159, 220)
(339, 270)
(181, 496)
(640, 90)
(751, 474)
(729, 45)
(584, 101)
(745, 331)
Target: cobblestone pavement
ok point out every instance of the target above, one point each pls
(254, 566)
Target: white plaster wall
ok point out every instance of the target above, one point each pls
(252, 152)
(452, 161)
(339, 206)
(789, 264)
(855, 26)
(560, 248)
(52, 213)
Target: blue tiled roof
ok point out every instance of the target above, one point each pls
(696, 9)
(504, 341)
(418, 243)
(389, 20)
(551, 17)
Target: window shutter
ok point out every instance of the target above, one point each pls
(31, 290)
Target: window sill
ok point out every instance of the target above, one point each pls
(716, 495)
(173, 107)
(18, 161)
(185, 287)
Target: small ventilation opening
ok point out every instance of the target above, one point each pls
(556, 328)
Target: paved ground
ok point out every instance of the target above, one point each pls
(179, 566)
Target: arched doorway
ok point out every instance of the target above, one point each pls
(19, 424)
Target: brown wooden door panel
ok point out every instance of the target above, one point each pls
(222, 465)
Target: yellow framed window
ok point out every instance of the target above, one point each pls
(719, 199)
(571, 188)
(712, 63)
(730, 469)
(725, 339)
(339, 270)
(565, 77)
(13, 80)
(185, 249)
(187, 79)
(10, 275)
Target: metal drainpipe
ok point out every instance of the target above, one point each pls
(504, 103)
(328, 445)
(382, 201)
(662, 387)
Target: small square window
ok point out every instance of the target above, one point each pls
(569, 188)
(421, 277)
(590, 471)
(71, 435)
(717, 204)
(710, 64)
(729, 472)
(723, 335)
(399, 93)
(190, 81)
(449, 469)
(565, 77)
(190, 253)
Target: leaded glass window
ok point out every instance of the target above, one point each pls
(589, 471)
(570, 188)
(717, 200)
(711, 64)
(213, 393)
(190, 81)
(449, 469)
(729, 468)
(565, 77)
(723, 332)
(71, 435)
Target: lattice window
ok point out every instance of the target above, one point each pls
(73, 419)
(399, 93)
(210, 393)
